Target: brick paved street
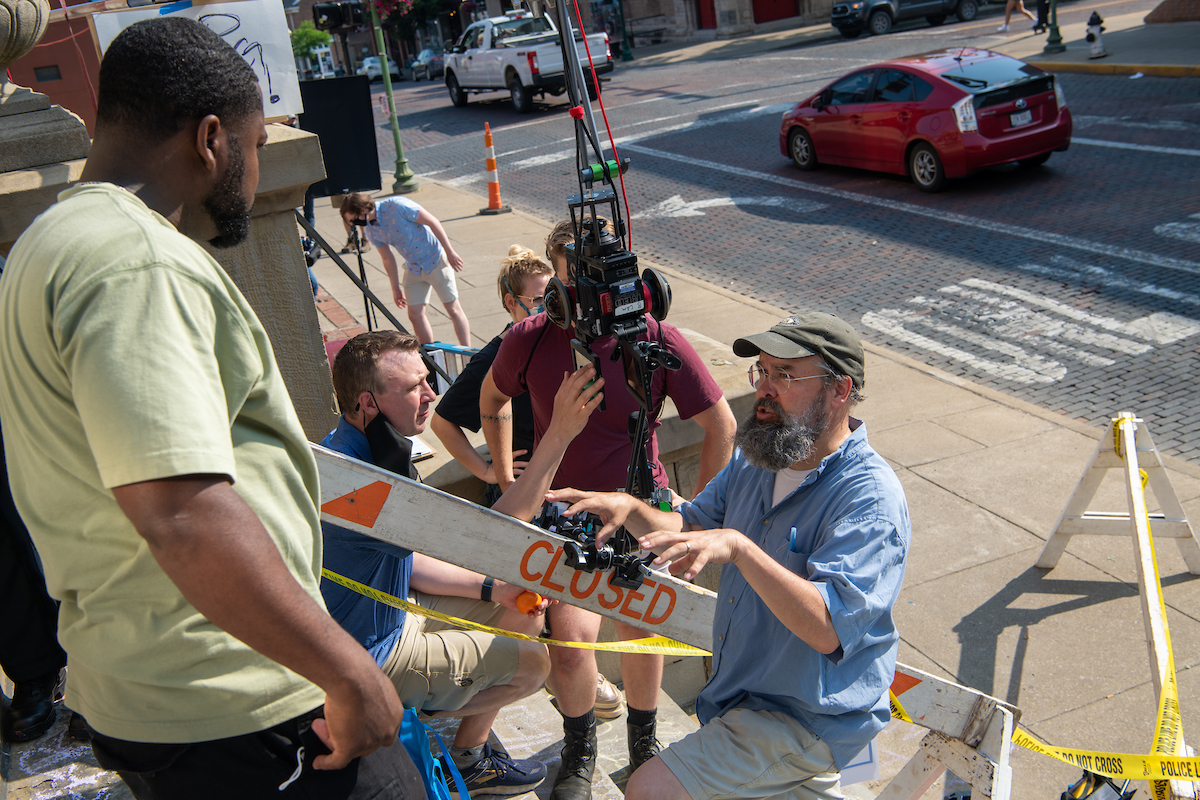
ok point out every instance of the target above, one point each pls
(1073, 285)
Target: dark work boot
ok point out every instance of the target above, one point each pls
(643, 745)
(574, 779)
(31, 712)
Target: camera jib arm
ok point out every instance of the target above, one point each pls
(605, 296)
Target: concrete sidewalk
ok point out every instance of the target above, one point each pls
(1164, 49)
(986, 477)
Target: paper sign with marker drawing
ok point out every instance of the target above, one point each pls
(255, 28)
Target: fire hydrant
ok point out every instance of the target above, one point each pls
(1095, 27)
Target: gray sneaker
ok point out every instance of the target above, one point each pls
(498, 773)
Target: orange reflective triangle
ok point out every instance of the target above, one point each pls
(362, 506)
(901, 683)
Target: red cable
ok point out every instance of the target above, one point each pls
(611, 141)
(82, 64)
(59, 41)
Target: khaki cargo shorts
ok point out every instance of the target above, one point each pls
(437, 667)
(754, 754)
(417, 288)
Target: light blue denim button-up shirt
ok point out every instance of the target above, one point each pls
(851, 537)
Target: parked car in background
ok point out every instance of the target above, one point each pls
(933, 116)
(521, 53)
(852, 17)
(370, 67)
(428, 64)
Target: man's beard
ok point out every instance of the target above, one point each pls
(225, 204)
(788, 439)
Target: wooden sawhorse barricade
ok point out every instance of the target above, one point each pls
(969, 732)
(1125, 442)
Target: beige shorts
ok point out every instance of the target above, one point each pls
(752, 754)
(436, 667)
(417, 288)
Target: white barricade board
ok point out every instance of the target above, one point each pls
(257, 29)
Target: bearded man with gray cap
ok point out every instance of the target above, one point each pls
(813, 531)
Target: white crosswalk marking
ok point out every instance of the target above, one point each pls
(1021, 333)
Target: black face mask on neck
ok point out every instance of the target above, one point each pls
(390, 449)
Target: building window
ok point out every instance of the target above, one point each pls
(44, 74)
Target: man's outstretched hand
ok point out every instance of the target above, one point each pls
(689, 551)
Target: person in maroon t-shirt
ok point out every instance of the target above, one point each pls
(533, 357)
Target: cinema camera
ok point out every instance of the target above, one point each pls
(619, 553)
(604, 296)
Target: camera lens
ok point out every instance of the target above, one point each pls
(558, 303)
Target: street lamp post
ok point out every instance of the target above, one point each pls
(405, 180)
(1054, 42)
(626, 52)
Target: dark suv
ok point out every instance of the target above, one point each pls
(852, 17)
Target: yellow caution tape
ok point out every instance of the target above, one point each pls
(1114, 765)
(1165, 764)
(898, 710)
(1156, 768)
(654, 645)
(1168, 729)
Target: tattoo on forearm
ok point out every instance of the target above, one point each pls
(495, 417)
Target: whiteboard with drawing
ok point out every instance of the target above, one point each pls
(255, 28)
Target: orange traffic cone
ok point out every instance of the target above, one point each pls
(494, 204)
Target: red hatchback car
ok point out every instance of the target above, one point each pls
(932, 117)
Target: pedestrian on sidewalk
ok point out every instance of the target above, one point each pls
(521, 285)
(533, 357)
(1043, 16)
(1019, 5)
(813, 530)
(429, 260)
(138, 385)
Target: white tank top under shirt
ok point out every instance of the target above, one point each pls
(786, 482)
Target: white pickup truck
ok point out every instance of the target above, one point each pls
(518, 52)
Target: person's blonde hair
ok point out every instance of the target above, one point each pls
(518, 266)
(558, 239)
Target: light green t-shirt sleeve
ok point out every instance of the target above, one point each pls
(143, 355)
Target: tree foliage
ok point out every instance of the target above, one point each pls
(306, 39)
(408, 17)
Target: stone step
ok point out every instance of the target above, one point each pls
(532, 728)
(55, 766)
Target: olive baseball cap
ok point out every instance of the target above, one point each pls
(810, 333)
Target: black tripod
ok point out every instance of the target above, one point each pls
(356, 246)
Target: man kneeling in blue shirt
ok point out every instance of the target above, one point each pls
(383, 392)
(813, 529)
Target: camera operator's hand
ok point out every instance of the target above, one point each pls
(577, 397)
(613, 508)
(398, 297)
(455, 260)
(689, 551)
(506, 595)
